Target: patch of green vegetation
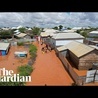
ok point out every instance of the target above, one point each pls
(25, 70)
(33, 51)
(20, 43)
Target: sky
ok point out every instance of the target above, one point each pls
(49, 19)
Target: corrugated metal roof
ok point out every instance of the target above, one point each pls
(67, 36)
(43, 34)
(20, 52)
(4, 46)
(61, 48)
(77, 28)
(21, 35)
(17, 33)
(94, 46)
(69, 31)
(94, 32)
(79, 49)
(49, 30)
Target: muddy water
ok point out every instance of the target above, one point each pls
(49, 70)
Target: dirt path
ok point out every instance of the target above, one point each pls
(49, 70)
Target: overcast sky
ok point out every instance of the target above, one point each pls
(48, 19)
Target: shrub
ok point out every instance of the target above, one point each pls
(32, 51)
(20, 43)
(25, 70)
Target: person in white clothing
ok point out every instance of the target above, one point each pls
(38, 39)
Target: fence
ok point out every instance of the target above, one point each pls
(79, 80)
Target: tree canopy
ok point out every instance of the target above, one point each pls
(56, 28)
(36, 30)
(60, 27)
(22, 29)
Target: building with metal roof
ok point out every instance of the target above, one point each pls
(4, 48)
(21, 35)
(67, 36)
(77, 48)
(93, 33)
(81, 55)
(69, 31)
(76, 28)
(60, 39)
(48, 32)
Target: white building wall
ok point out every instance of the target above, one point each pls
(64, 42)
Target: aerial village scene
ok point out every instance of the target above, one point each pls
(49, 48)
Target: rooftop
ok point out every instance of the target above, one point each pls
(79, 49)
(95, 32)
(21, 35)
(4, 46)
(67, 36)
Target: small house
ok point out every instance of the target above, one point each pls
(93, 34)
(60, 39)
(4, 48)
(82, 56)
(22, 35)
(20, 54)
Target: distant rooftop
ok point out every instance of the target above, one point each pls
(95, 32)
(67, 35)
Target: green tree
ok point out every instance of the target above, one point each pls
(5, 34)
(22, 29)
(60, 27)
(78, 31)
(69, 28)
(56, 28)
(84, 34)
(36, 31)
(42, 29)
